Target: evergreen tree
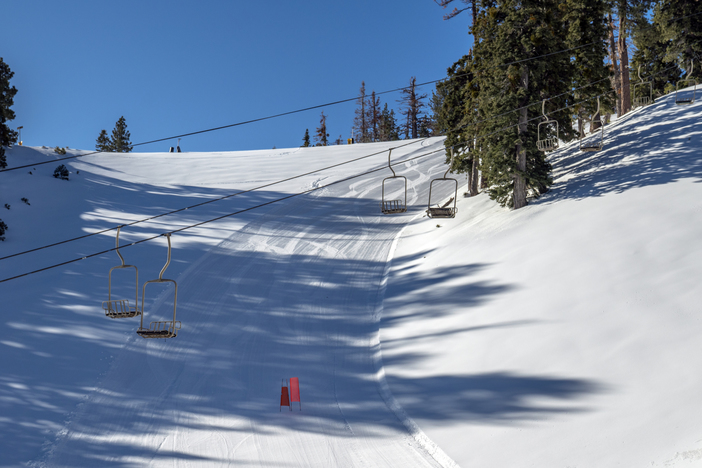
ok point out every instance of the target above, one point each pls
(681, 26)
(587, 23)
(322, 137)
(513, 31)
(374, 117)
(306, 138)
(120, 137)
(360, 121)
(412, 104)
(388, 125)
(7, 94)
(103, 142)
(455, 107)
(650, 55)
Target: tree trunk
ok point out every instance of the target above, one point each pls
(624, 69)
(613, 55)
(519, 192)
(475, 174)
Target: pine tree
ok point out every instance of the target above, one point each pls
(587, 23)
(374, 117)
(412, 104)
(103, 142)
(322, 137)
(360, 121)
(650, 56)
(7, 94)
(455, 107)
(388, 125)
(120, 137)
(306, 138)
(681, 26)
(513, 31)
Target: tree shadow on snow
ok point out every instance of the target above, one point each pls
(655, 145)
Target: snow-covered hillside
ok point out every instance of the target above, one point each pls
(566, 333)
(562, 334)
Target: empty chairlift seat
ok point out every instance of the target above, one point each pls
(120, 308)
(544, 142)
(593, 143)
(685, 98)
(445, 210)
(161, 329)
(643, 92)
(393, 206)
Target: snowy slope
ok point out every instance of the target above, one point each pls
(290, 290)
(566, 333)
(562, 334)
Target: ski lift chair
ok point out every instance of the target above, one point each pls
(444, 211)
(546, 144)
(120, 308)
(597, 145)
(684, 83)
(163, 329)
(641, 97)
(393, 206)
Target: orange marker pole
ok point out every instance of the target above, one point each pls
(284, 399)
(295, 391)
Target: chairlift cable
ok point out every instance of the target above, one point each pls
(341, 101)
(270, 202)
(204, 203)
(280, 181)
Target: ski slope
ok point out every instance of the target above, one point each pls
(567, 333)
(291, 290)
(562, 334)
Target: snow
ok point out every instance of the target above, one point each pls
(561, 334)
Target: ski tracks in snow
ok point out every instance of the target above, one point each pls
(296, 293)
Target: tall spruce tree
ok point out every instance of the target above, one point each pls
(456, 118)
(7, 95)
(360, 121)
(587, 25)
(306, 138)
(374, 117)
(388, 125)
(510, 32)
(120, 137)
(650, 57)
(103, 142)
(681, 26)
(412, 104)
(322, 137)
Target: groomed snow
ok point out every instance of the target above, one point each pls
(566, 333)
(561, 334)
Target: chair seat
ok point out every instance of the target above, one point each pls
(441, 212)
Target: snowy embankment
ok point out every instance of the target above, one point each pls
(567, 333)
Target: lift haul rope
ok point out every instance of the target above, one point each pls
(219, 217)
(301, 175)
(294, 177)
(443, 148)
(205, 202)
(266, 185)
(319, 106)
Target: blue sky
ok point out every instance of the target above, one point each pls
(172, 67)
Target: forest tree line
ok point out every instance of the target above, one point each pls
(562, 55)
